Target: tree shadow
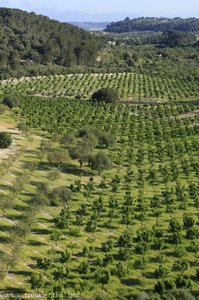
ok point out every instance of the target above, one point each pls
(6, 228)
(65, 168)
(41, 231)
(23, 273)
(36, 243)
(149, 275)
(19, 207)
(15, 217)
(34, 183)
(4, 240)
(11, 290)
(131, 281)
(31, 151)
(49, 221)
(17, 173)
(6, 188)
(77, 171)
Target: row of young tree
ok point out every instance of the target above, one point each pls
(154, 142)
(129, 86)
(148, 201)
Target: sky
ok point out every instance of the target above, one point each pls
(107, 8)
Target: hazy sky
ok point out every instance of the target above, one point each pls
(132, 7)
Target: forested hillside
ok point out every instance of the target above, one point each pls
(36, 40)
(154, 24)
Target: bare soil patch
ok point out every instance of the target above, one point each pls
(190, 114)
(7, 127)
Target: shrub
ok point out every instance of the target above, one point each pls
(11, 101)
(5, 140)
(107, 95)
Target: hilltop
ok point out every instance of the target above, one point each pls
(154, 24)
(30, 41)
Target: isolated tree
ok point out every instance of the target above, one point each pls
(5, 140)
(81, 152)
(103, 277)
(161, 272)
(194, 247)
(125, 239)
(7, 260)
(91, 134)
(36, 281)
(61, 273)
(23, 127)
(6, 203)
(161, 287)
(67, 140)
(107, 95)
(106, 139)
(44, 263)
(84, 268)
(188, 221)
(181, 265)
(121, 270)
(65, 256)
(55, 236)
(61, 194)
(107, 246)
(45, 145)
(58, 157)
(61, 222)
(183, 281)
(54, 174)
(101, 162)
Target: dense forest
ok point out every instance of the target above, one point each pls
(154, 24)
(28, 39)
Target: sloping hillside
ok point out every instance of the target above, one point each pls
(30, 38)
(154, 24)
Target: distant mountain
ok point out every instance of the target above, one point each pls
(79, 16)
(91, 26)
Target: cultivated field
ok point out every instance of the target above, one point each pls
(128, 85)
(130, 229)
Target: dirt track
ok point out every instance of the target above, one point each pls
(6, 127)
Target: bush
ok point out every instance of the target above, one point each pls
(5, 140)
(60, 195)
(107, 95)
(100, 162)
(11, 101)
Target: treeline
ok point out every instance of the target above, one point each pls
(174, 38)
(154, 24)
(27, 38)
(168, 38)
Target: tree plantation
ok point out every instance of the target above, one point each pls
(129, 86)
(99, 147)
(103, 200)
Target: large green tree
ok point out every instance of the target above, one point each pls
(5, 140)
(107, 95)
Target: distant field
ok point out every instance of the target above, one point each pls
(128, 85)
(123, 230)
